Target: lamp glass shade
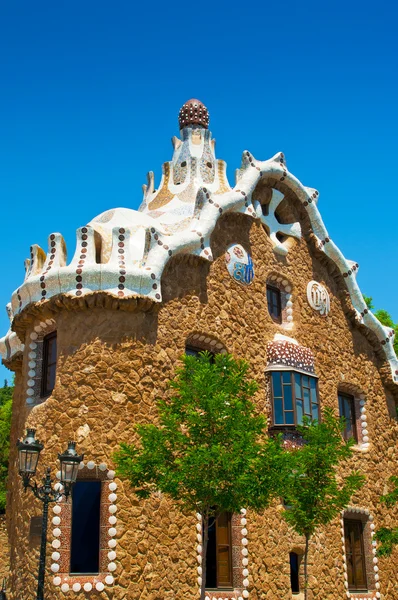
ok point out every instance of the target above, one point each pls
(70, 462)
(28, 453)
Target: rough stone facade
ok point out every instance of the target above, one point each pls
(4, 550)
(115, 357)
(114, 363)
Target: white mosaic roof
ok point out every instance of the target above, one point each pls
(123, 252)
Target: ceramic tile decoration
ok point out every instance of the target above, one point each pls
(239, 264)
(318, 298)
(247, 269)
(286, 352)
(178, 218)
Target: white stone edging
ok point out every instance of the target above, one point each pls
(112, 531)
(37, 334)
(375, 595)
(245, 560)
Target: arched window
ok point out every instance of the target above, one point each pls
(352, 406)
(347, 412)
(279, 300)
(199, 342)
(274, 303)
(42, 361)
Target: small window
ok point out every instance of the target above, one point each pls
(294, 572)
(49, 364)
(219, 553)
(192, 351)
(184, 163)
(355, 555)
(274, 303)
(294, 395)
(85, 543)
(347, 410)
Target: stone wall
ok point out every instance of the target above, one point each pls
(4, 550)
(114, 362)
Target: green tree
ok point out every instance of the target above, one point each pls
(385, 319)
(387, 537)
(210, 452)
(368, 301)
(5, 424)
(6, 393)
(315, 491)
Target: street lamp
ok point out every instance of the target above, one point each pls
(28, 457)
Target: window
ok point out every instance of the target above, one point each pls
(274, 303)
(219, 553)
(192, 351)
(49, 364)
(294, 572)
(347, 410)
(355, 555)
(294, 396)
(85, 543)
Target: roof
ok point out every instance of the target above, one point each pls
(123, 252)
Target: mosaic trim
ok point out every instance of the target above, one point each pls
(285, 287)
(206, 342)
(151, 245)
(62, 535)
(35, 363)
(240, 573)
(289, 354)
(239, 264)
(369, 595)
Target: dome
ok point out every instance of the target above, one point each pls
(193, 112)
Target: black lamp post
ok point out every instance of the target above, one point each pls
(28, 454)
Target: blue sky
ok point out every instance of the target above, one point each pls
(90, 93)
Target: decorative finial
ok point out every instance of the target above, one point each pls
(193, 112)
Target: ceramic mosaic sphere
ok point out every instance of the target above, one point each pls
(193, 112)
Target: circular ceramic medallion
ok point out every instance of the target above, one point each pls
(318, 297)
(239, 264)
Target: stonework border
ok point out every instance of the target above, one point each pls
(62, 534)
(35, 355)
(371, 560)
(240, 552)
(205, 341)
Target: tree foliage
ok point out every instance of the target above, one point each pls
(385, 319)
(210, 451)
(316, 492)
(6, 393)
(388, 537)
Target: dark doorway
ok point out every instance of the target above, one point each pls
(85, 546)
(294, 573)
(219, 553)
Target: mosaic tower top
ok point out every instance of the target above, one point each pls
(123, 252)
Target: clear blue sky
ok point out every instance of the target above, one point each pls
(90, 93)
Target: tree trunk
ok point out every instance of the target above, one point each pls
(204, 553)
(307, 539)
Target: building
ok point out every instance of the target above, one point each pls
(250, 270)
